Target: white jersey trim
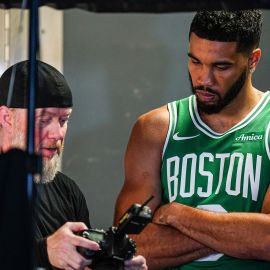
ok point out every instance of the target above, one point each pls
(267, 140)
(196, 119)
(175, 116)
(172, 123)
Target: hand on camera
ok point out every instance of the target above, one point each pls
(62, 247)
(136, 263)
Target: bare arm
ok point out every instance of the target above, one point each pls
(162, 246)
(241, 235)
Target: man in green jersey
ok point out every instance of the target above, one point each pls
(206, 158)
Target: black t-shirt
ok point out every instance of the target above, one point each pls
(57, 202)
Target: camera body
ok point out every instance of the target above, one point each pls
(115, 245)
(114, 249)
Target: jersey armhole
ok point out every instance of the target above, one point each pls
(267, 140)
(172, 123)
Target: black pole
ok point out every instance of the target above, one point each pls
(17, 168)
(32, 85)
(32, 74)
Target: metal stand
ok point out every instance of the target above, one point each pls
(17, 169)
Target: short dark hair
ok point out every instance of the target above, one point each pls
(242, 26)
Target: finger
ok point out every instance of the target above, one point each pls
(141, 267)
(83, 242)
(136, 261)
(76, 226)
(77, 261)
(87, 263)
(69, 268)
(155, 220)
(159, 218)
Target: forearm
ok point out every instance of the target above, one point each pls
(164, 246)
(230, 233)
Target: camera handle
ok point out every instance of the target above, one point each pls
(135, 218)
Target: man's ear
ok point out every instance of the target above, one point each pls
(254, 59)
(5, 117)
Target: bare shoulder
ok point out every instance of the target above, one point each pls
(154, 124)
(157, 116)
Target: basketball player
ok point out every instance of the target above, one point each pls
(205, 158)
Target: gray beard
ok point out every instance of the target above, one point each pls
(49, 167)
(49, 170)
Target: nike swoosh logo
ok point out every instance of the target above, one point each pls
(178, 138)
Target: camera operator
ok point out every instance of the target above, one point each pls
(61, 209)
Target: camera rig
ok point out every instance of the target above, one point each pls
(115, 245)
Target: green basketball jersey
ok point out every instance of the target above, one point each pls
(224, 172)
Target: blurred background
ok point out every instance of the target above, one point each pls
(119, 66)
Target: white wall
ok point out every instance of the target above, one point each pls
(14, 37)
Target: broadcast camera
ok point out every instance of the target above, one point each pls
(115, 245)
